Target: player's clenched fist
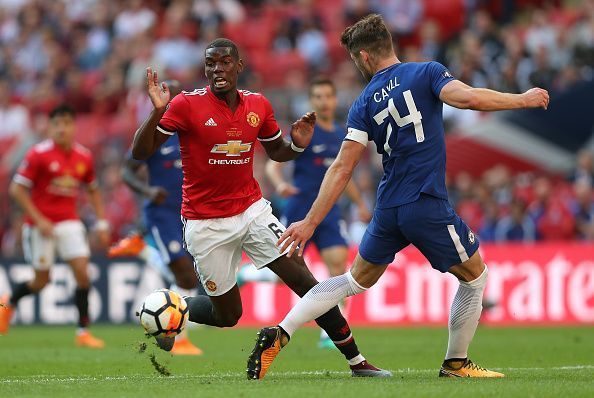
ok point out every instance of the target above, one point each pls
(536, 98)
(158, 93)
(302, 130)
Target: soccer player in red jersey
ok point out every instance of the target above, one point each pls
(46, 186)
(223, 211)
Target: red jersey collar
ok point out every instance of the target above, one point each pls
(223, 102)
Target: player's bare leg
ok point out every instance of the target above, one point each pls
(8, 304)
(335, 258)
(297, 276)
(186, 283)
(84, 338)
(464, 317)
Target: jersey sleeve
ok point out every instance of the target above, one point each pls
(28, 170)
(89, 177)
(439, 76)
(270, 130)
(358, 128)
(175, 117)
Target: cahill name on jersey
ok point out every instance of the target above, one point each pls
(401, 112)
(217, 150)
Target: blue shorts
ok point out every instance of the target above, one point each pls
(165, 228)
(429, 223)
(332, 231)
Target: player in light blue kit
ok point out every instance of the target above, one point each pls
(331, 236)
(401, 111)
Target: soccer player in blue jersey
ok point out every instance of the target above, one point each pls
(401, 111)
(161, 213)
(330, 236)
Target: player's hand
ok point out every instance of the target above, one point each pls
(157, 195)
(536, 98)
(285, 190)
(45, 226)
(364, 214)
(296, 236)
(158, 93)
(302, 130)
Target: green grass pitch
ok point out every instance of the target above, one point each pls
(539, 362)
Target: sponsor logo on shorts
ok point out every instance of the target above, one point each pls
(211, 286)
(471, 237)
(174, 246)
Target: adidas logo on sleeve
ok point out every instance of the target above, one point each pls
(210, 122)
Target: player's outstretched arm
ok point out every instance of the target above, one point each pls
(134, 175)
(280, 150)
(102, 225)
(147, 139)
(336, 179)
(460, 95)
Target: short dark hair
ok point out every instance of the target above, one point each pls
(370, 34)
(223, 42)
(62, 110)
(321, 81)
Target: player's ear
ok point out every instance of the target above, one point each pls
(240, 65)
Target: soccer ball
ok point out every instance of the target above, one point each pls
(164, 313)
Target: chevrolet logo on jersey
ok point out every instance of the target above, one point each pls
(232, 148)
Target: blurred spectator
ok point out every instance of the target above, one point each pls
(583, 210)
(311, 44)
(134, 19)
(402, 16)
(14, 118)
(517, 226)
(584, 169)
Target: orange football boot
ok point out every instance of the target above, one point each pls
(183, 346)
(6, 311)
(466, 369)
(86, 339)
(268, 345)
(130, 246)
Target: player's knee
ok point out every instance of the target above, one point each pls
(187, 280)
(40, 281)
(230, 318)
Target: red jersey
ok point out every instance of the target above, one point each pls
(217, 150)
(54, 176)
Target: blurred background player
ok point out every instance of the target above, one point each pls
(159, 179)
(223, 210)
(331, 237)
(46, 186)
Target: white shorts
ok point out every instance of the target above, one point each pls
(216, 244)
(70, 241)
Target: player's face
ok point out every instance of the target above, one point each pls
(323, 100)
(62, 129)
(361, 61)
(221, 69)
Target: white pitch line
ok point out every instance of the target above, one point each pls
(43, 379)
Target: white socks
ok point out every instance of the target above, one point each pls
(319, 300)
(464, 316)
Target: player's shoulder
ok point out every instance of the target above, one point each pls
(82, 150)
(42, 147)
(196, 93)
(254, 97)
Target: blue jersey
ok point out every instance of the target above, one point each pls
(164, 170)
(311, 166)
(401, 112)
